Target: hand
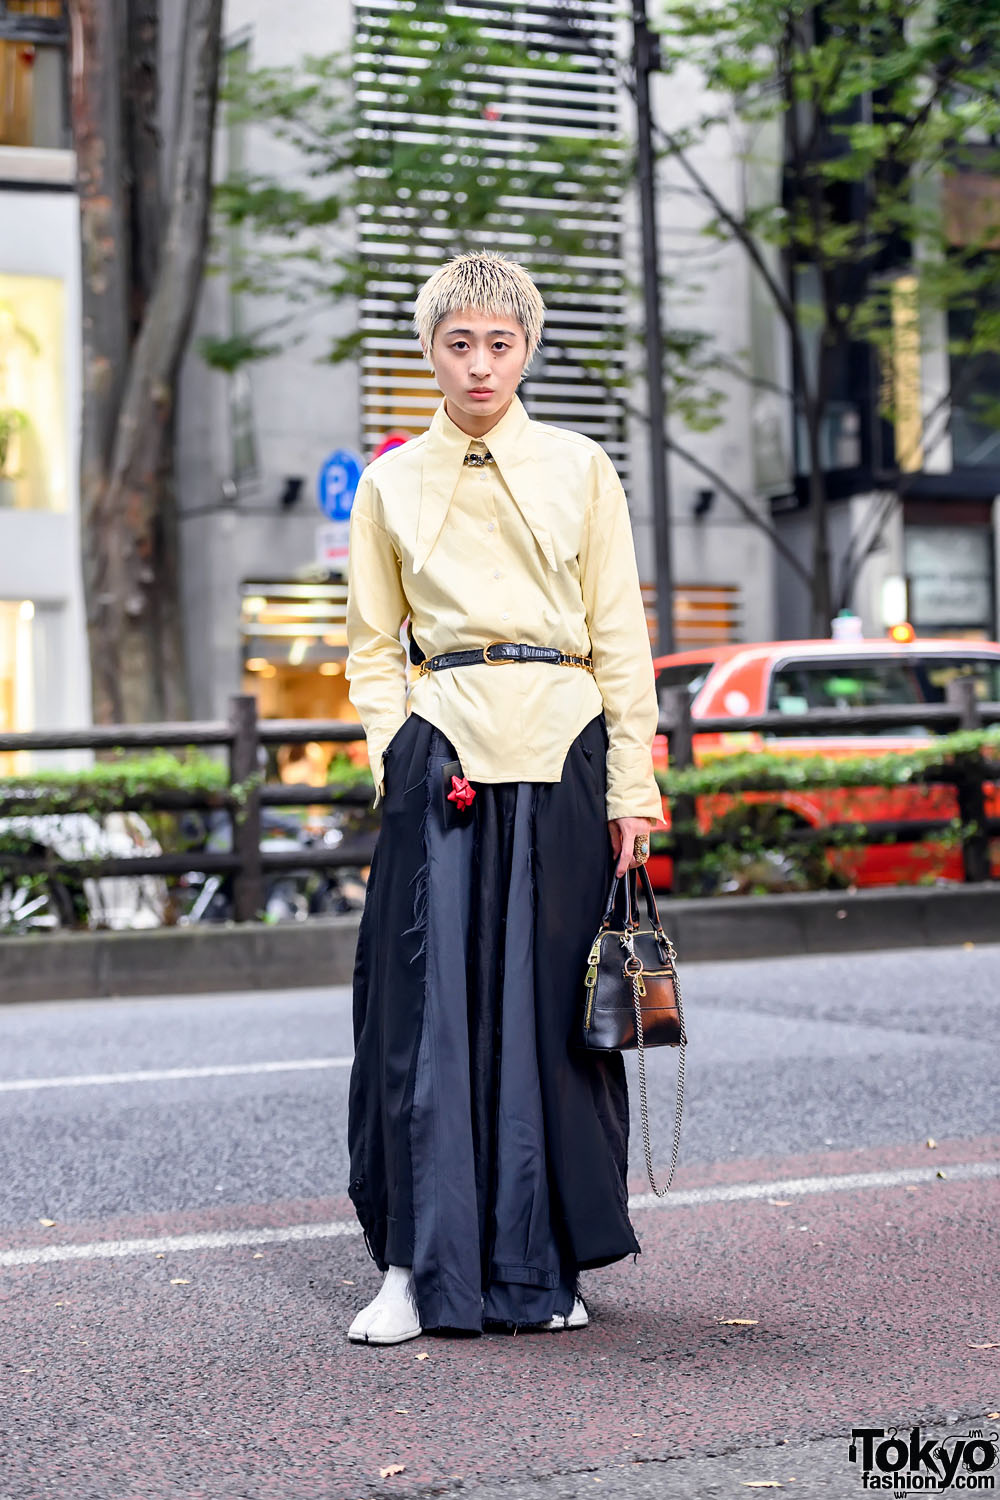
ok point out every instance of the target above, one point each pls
(623, 835)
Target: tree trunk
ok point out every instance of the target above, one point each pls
(134, 618)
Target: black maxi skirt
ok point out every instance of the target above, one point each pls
(487, 1149)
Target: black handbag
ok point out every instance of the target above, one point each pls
(632, 996)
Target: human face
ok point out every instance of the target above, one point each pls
(478, 361)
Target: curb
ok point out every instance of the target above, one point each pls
(206, 960)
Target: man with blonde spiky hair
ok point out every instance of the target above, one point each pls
(488, 1153)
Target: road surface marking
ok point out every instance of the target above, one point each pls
(160, 1075)
(226, 1239)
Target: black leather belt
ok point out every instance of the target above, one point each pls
(497, 653)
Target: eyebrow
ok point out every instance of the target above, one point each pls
(508, 332)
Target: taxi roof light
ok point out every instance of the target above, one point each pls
(902, 633)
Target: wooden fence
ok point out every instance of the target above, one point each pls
(246, 737)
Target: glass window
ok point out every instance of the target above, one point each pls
(17, 706)
(844, 684)
(33, 104)
(937, 671)
(798, 687)
(34, 459)
(691, 676)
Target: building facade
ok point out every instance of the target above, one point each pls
(43, 653)
(264, 612)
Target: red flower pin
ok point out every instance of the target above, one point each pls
(461, 792)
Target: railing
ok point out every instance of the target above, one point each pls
(245, 737)
(962, 710)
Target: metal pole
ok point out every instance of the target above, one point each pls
(646, 59)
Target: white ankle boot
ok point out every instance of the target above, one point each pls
(577, 1317)
(392, 1317)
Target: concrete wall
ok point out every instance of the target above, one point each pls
(233, 529)
(721, 547)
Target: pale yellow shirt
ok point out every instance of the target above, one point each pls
(536, 547)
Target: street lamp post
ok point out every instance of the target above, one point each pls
(646, 61)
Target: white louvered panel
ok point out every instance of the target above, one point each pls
(585, 297)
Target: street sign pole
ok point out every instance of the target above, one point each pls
(646, 59)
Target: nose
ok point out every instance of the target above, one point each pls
(480, 364)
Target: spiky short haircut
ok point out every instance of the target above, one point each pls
(481, 281)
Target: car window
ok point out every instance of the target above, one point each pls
(691, 676)
(797, 687)
(936, 672)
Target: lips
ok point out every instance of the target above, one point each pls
(481, 390)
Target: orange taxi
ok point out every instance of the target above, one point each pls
(798, 677)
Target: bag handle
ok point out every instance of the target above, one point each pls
(631, 904)
(636, 873)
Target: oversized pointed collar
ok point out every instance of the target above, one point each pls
(444, 454)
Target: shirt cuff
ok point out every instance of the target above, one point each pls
(378, 742)
(632, 790)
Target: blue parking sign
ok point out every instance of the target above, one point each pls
(337, 483)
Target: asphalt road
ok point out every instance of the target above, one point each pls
(178, 1329)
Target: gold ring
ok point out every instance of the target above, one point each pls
(640, 848)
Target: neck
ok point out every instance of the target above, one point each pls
(475, 426)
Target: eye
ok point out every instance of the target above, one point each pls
(500, 346)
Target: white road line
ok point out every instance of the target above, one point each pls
(225, 1239)
(794, 1187)
(160, 1075)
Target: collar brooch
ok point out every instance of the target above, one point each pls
(478, 460)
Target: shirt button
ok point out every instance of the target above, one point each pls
(505, 615)
(490, 526)
(496, 573)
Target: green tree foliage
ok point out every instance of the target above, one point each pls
(871, 119)
(441, 172)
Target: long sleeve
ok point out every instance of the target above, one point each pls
(376, 608)
(623, 662)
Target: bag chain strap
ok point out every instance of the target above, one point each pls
(643, 1106)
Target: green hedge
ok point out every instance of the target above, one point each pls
(771, 771)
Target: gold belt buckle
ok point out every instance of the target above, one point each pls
(501, 661)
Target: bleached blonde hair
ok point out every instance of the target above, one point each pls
(482, 281)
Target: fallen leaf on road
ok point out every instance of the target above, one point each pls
(180, 1281)
(391, 1469)
(739, 1322)
(939, 1174)
(423, 1356)
(257, 1255)
(780, 1202)
(347, 1283)
(161, 1255)
(982, 1346)
(931, 1143)
(49, 1223)
(27, 1370)
(402, 1411)
(993, 1415)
